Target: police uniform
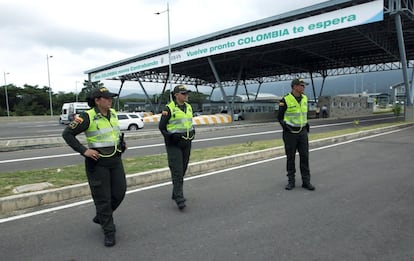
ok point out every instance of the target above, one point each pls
(293, 119)
(177, 128)
(106, 175)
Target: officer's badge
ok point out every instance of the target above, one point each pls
(165, 113)
(73, 124)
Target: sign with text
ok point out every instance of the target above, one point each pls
(335, 20)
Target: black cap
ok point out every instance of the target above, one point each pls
(102, 92)
(298, 81)
(180, 89)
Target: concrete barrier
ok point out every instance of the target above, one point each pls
(152, 118)
(198, 120)
(212, 119)
(146, 114)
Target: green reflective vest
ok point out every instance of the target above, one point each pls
(296, 114)
(180, 122)
(101, 131)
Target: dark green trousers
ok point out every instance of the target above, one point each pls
(178, 158)
(297, 142)
(106, 178)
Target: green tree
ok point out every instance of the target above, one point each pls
(87, 88)
(397, 109)
(197, 98)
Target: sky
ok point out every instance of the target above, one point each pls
(70, 37)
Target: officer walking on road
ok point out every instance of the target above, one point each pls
(293, 110)
(103, 163)
(176, 125)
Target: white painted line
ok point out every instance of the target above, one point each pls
(162, 144)
(35, 213)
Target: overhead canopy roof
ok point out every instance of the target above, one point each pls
(363, 48)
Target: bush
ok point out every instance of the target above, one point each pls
(397, 109)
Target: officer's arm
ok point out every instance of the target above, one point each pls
(165, 117)
(281, 114)
(78, 125)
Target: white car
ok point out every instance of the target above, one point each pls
(130, 121)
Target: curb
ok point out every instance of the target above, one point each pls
(10, 204)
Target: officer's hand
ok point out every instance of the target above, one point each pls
(122, 143)
(192, 134)
(91, 153)
(123, 146)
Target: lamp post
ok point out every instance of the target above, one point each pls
(76, 91)
(5, 92)
(169, 47)
(50, 88)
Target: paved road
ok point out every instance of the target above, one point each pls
(361, 210)
(60, 156)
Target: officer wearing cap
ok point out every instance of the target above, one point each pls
(293, 111)
(103, 164)
(176, 125)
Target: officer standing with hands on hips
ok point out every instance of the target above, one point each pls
(293, 117)
(103, 163)
(176, 125)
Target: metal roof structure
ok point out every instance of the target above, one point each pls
(358, 49)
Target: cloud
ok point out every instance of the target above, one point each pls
(82, 35)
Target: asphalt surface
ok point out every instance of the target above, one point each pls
(52, 152)
(361, 210)
(43, 197)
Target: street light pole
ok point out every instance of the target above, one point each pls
(5, 92)
(50, 88)
(169, 47)
(76, 90)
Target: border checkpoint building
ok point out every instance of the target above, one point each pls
(337, 37)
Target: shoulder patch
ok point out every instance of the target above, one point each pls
(73, 124)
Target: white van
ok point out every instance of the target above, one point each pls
(70, 110)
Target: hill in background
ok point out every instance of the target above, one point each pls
(334, 85)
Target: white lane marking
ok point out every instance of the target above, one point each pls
(162, 144)
(135, 147)
(35, 213)
(38, 158)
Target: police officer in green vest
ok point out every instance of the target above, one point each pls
(103, 164)
(293, 111)
(176, 125)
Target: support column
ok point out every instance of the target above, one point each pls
(408, 108)
(235, 89)
(148, 98)
(119, 93)
(258, 89)
(213, 68)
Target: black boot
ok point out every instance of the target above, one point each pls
(308, 186)
(96, 220)
(181, 204)
(109, 240)
(290, 185)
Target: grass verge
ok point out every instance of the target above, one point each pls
(75, 174)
